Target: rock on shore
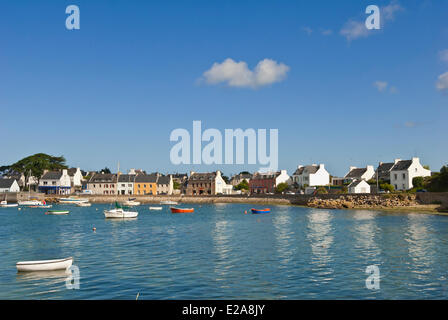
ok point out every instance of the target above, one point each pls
(376, 201)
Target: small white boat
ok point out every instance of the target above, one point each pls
(44, 265)
(42, 206)
(155, 208)
(29, 203)
(119, 213)
(5, 204)
(84, 204)
(57, 212)
(131, 202)
(169, 202)
(72, 200)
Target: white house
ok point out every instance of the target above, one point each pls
(355, 173)
(313, 175)
(75, 177)
(55, 182)
(165, 185)
(9, 185)
(404, 171)
(220, 184)
(359, 186)
(126, 184)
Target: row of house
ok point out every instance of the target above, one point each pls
(136, 182)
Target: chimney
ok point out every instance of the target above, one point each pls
(396, 161)
(64, 172)
(351, 168)
(218, 173)
(283, 172)
(380, 163)
(370, 168)
(415, 160)
(191, 173)
(321, 166)
(314, 165)
(299, 166)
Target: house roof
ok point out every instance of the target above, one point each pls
(268, 175)
(402, 165)
(52, 175)
(208, 176)
(383, 170)
(356, 173)
(126, 178)
(242, 176)
(151, 178)
(309, 169)
(164, 180)
(6, 183)
(103, 177)
(355, 183)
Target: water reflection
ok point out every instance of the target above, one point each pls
(286, 248)
(365, 230)
(221, 239)
(321, 239)
(419, 243)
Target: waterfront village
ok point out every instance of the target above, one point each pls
(397, 175)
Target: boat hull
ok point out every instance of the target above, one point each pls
(182, 210)
(72, 201)
(169, 202)
(44, 265)
(29, 203)
(11, 205)
(260, 211)
(61, 212)
(120, 214)
(155, 208)
(84, 204)
(131, 203)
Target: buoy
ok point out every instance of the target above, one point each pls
(94, 229)
(245, 211)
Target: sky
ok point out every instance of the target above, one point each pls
(114, 90)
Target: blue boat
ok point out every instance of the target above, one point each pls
(260, 211)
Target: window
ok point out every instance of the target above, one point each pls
(404, 176)
(395, 176)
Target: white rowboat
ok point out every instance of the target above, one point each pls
(155, 208)
(5, 204)
(58, 212)
(72, 200)
(169, 202)
(30, 203)
(44, 265)
(84, 204)
(131, 203)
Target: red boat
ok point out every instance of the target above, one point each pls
(181, 210)
(260, 211)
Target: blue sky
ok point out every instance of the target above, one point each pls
(115, 89)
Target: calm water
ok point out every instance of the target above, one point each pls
(220, 253)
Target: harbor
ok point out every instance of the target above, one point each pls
(220, 252)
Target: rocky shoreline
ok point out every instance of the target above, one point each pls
(388, 202)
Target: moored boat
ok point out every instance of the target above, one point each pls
(5, 204)
(131, 202)
(57, 212)
(29, 203)
(260, 211)
(119, 212)
(72, 200)
(181, 210)
(84, 204)
(44, 265)
(169, 202)
(155, 208)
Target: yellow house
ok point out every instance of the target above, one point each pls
(145, 184)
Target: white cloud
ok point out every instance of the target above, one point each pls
(442, 83)
(444, 55)
(237, 74)
(327, 32)
(307, 30)
(354, 29)
(380, 85)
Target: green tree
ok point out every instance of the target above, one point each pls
(176, 185)
(282, 187)
(418, 182)
(322, 190)
(106, 170)
(243, 185)
(439, 181)
(387, 187)
(38, 163)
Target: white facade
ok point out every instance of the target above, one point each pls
(314, 175)
(368, 174)
(56, 182)
(220, 184)
(125, 185)
(359, 186)
(283, 177)
(10, 186)
(76, 178)
(403, 172)
(165, 185)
